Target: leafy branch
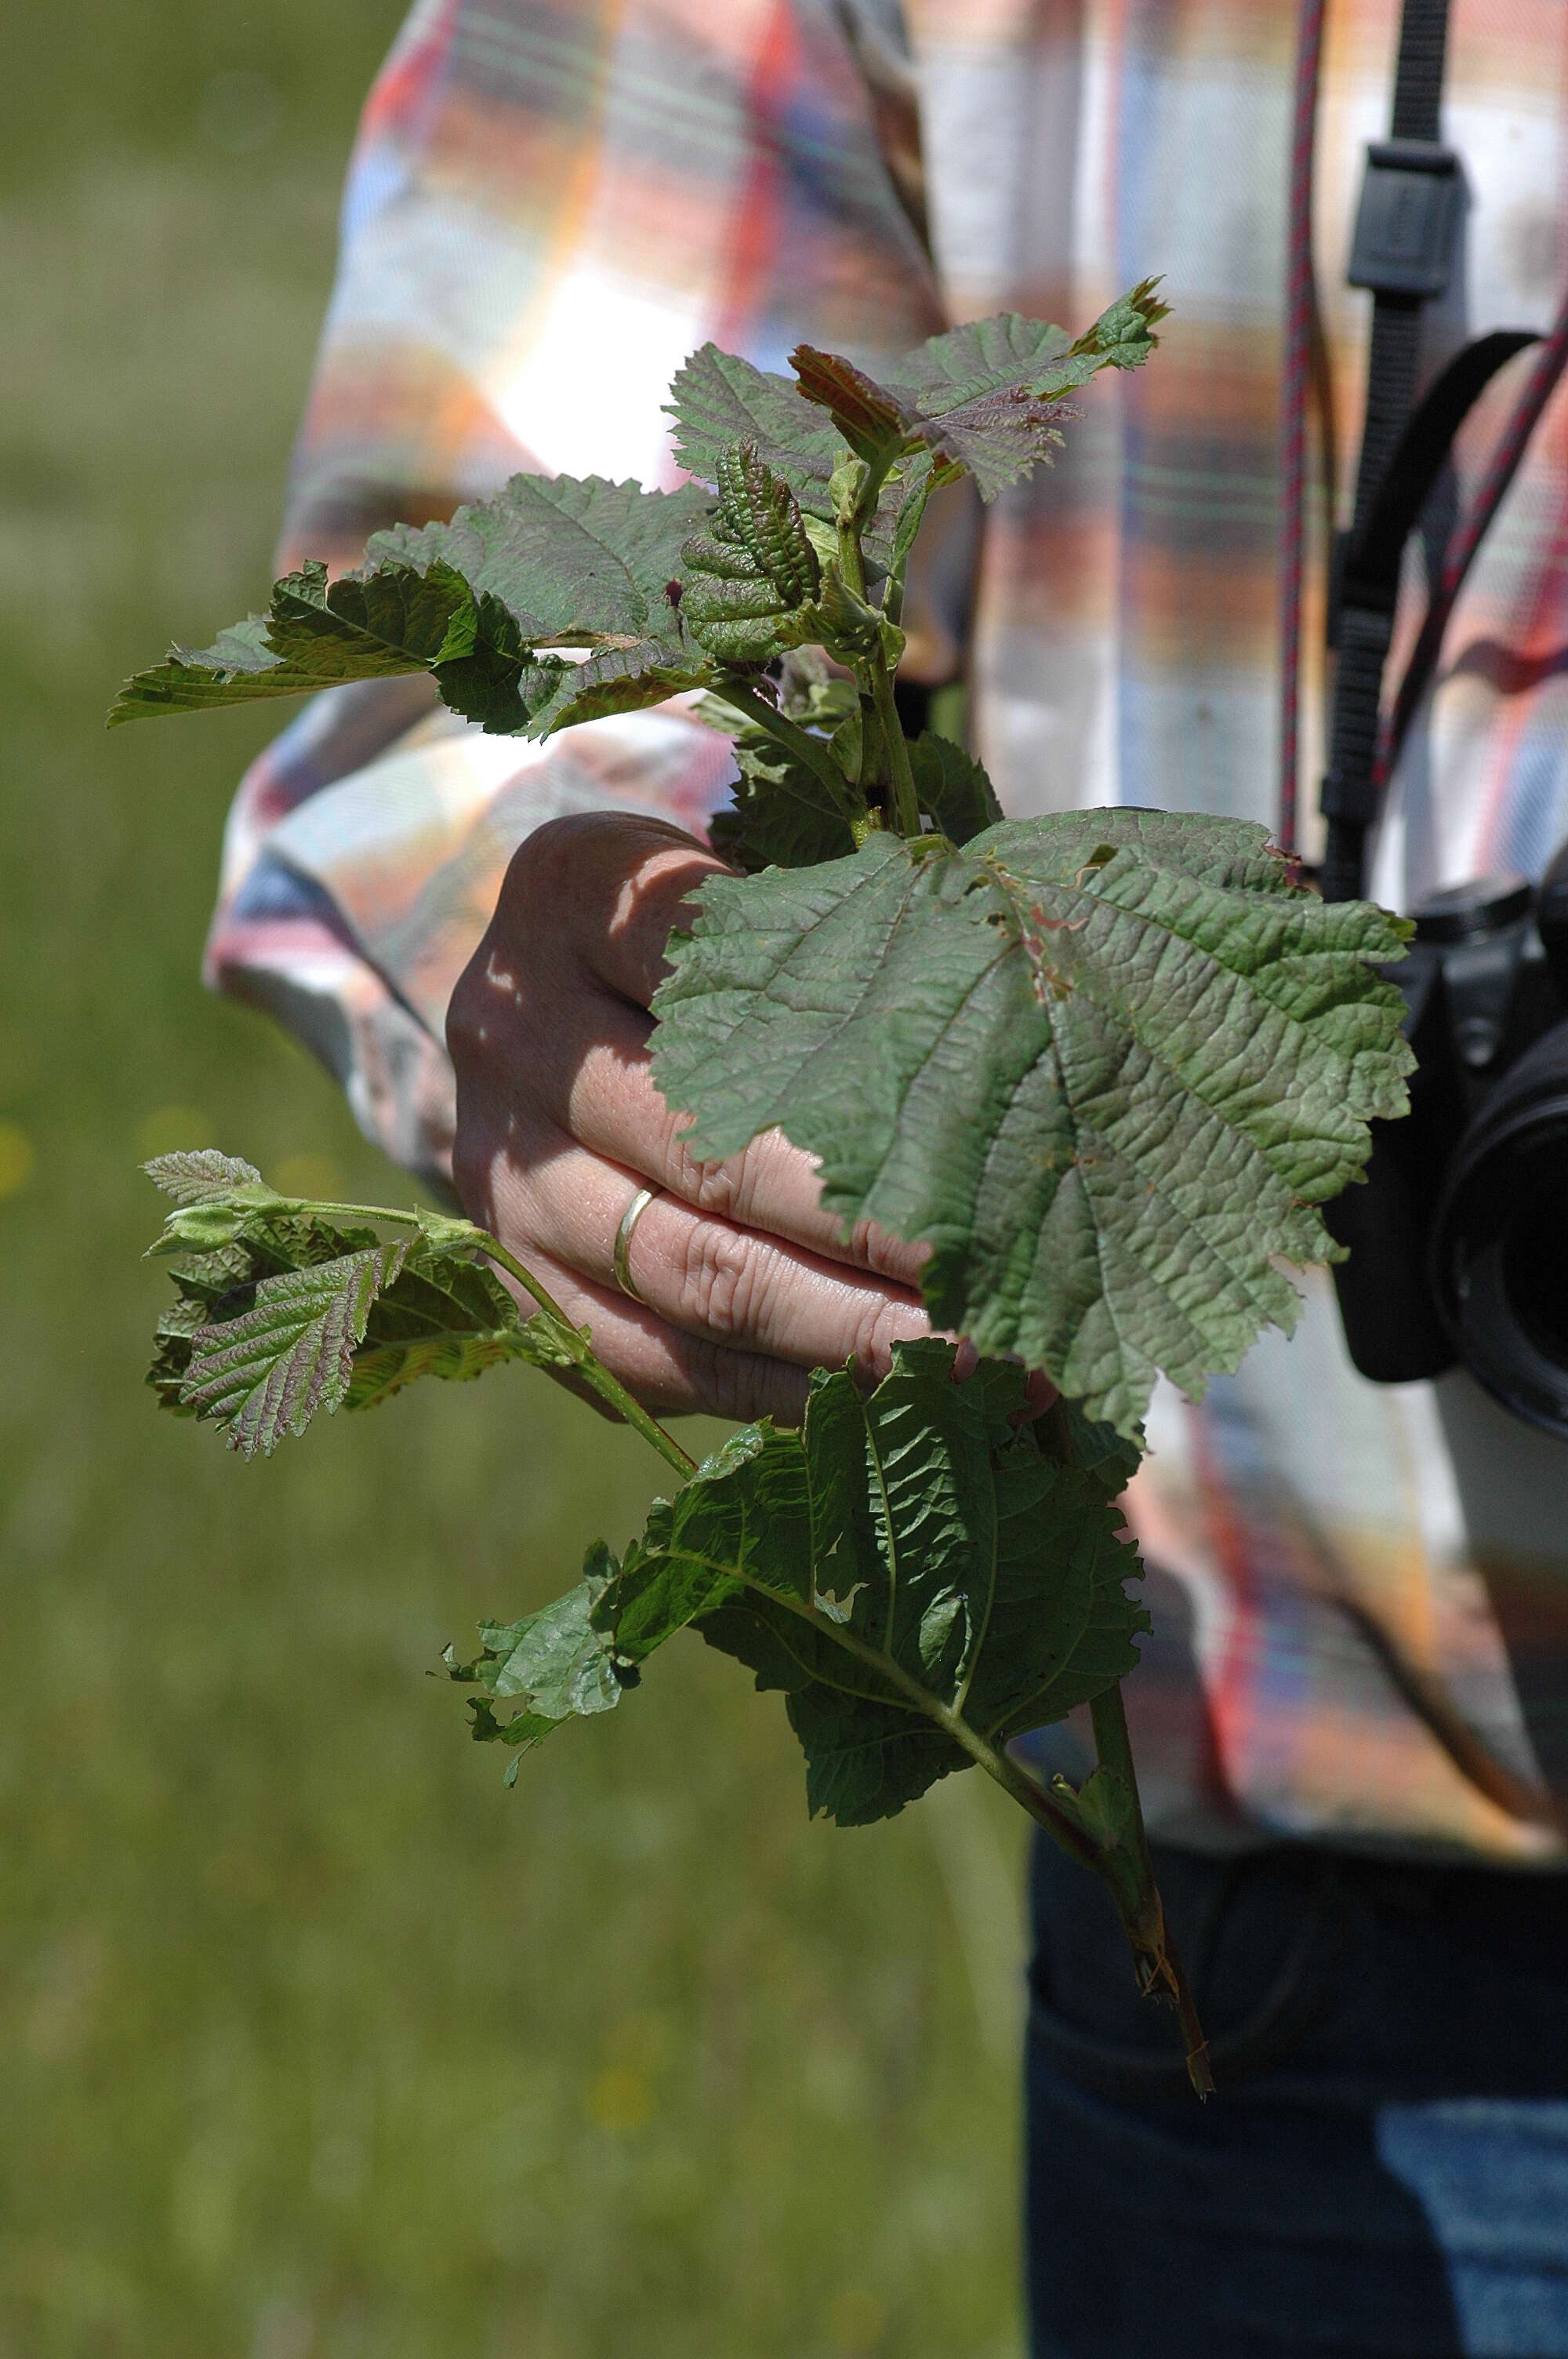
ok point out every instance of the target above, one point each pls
(917, 1569)
(1108, 1065)
(283, 1308)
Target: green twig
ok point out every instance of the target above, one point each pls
(854, 525)
(594, 1373)
(1142, 1910)
(810, 751)
(610, 1390)
(906, 806)
(1129, 1879)
(1113, 1744)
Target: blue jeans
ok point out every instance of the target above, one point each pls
(1384, 2168)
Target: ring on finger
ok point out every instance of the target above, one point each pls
(621, 1258)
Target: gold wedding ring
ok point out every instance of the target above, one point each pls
(622, 1255)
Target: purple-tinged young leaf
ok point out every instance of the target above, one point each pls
(988, 397)
(870, 420)
(436, 1310)
(265, 1372)
(199, 1175)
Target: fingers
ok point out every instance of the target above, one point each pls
(746, 1283)
(605, 891)
(703, 1274)
(599, 1088)
(549, 1023)
(671, 1372)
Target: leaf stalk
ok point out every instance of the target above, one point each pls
(610, 1390)
(1137, 1895)
(794, 740)
(906, 806)
(594, 1373)
(1124, 1868)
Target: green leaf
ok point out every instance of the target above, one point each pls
(200, 1175)
(266, 1369)
(1109, 1459)
(564, 562)
(750, 581)
(952, 789)
(553, 1665)
(813, 694)
(745, 1516)
(986, 396)
(548, 562)
(313, 636)
(782, 816)
(445, 1315)
(718, 400)
(292, 1313)
(905, 1560)
(1107, 1064)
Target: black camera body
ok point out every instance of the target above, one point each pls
(1458, 1242)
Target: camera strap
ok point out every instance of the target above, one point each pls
(1406, 230)
(1402, 251)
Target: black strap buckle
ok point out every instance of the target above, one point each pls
(1408, 219)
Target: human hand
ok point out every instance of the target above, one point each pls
(743, 1284)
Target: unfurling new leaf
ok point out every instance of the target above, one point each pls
(286, 1314)
(201, 1176)
(751, 576)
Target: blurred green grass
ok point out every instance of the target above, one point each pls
(315, 2040)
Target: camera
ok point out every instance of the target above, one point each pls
(1458, 1242)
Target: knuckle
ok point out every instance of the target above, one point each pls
(544, 867)
(471, 1164)
(731, 1383)
(467, 1008)
(717, 1279)
(715, 1188)
(711, 1186)
(882, 1324)
(884, 1256)
(734, 1187)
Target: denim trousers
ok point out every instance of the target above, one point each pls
(1384, 2167)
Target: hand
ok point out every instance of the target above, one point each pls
(745, 1283)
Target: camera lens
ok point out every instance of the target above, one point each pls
(1536, 1279)
(1499, 1240)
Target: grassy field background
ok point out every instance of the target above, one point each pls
(313, 2040)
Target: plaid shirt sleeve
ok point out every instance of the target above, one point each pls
(547, 208)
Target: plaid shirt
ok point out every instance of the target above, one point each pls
(1360, 1594)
